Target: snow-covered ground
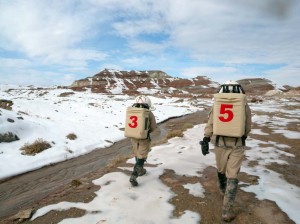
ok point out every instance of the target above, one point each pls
(97, 119)
(118, 202)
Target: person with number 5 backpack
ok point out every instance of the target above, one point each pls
(228, 125)
(140, 122)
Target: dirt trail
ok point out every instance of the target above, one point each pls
(23, 191)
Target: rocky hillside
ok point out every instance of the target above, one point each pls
(159, 83)
(256, 86)
(152, 82)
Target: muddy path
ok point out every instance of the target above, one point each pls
(23, 191)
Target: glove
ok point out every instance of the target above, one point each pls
(204, 145)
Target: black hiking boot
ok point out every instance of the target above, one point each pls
(133, 180)
(141, 171)
(138, 170)
(222, 182)
(133, 177)
(140, 167)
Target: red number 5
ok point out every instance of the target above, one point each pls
(134, 121)
(225, 109)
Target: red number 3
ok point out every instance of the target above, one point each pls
(225, 109)
(134, 121)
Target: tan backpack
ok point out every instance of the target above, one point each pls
(137, 123)
(229, 114)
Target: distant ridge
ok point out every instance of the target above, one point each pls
(153, 81)
(159, 83)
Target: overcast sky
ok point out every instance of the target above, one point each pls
(56, 42)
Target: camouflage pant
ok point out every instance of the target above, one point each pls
(141, 148)
(229, 160)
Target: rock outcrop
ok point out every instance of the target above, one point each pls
(258, 86)
(8, 137)
(135, 82)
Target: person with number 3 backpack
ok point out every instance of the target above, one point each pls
(140, 122)
(228, 126)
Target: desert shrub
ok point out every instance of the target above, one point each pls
(71, 136)
(8, 137)
(38, 146)
(6, 104)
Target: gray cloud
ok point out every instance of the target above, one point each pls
(229, 33)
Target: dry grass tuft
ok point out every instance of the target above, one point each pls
(75, 183)
(71, 136)
(38, 146)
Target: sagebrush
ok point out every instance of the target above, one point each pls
(36, 147)
(71, 136)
